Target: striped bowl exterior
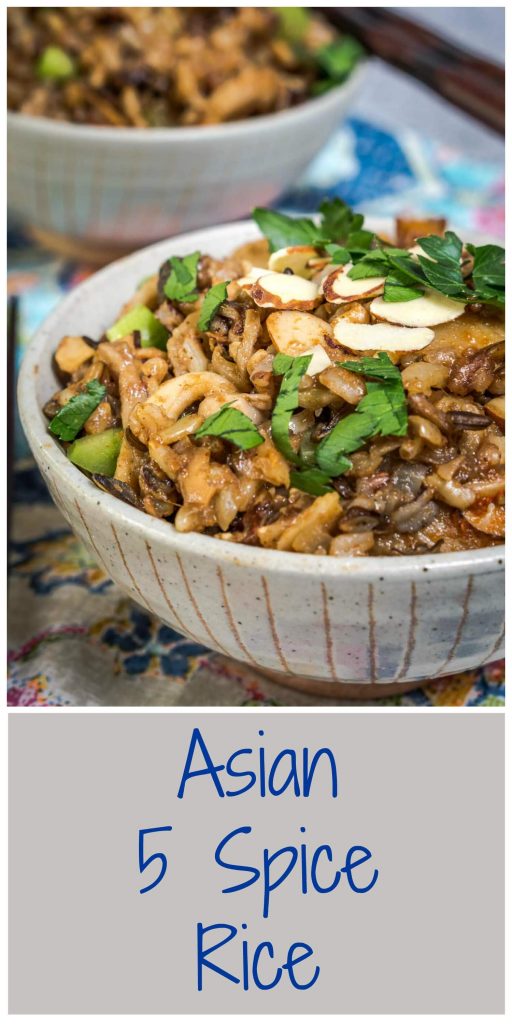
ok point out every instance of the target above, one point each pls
(335, 628)
(128, 187)
(360, 620)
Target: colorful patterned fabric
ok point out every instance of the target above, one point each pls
(74, 638)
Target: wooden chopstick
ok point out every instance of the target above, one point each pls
(471, 83)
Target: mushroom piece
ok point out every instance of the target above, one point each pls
(177, 394)
(339, 287)
(428, 311)
(295, 257)
(408, 229)
(285, 291)
(496, 410)
(118, 488)
(72, 351)
(381, 337)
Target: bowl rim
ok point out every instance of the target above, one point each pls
(190, 133)
(400, 567)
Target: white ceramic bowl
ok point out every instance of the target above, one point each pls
(356, 620)
(126, 187)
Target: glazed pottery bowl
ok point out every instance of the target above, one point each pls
(115, 189)
(382, 621)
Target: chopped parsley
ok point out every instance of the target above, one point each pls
(488, 272)
(213, 299)
(181, 285)
(231, 425)
(337, 224)
(439, 266)
(293, 369)
(282, 231)
(335, 62)
(340, 235)
(383, 410)
(69, 420)
(337, 253)
(312, 481)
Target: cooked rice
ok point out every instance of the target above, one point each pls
(438, 489)
(158, 66)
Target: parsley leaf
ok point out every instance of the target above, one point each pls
(69, 420)
(336, 60)
(445, 278)
(443, 270)
(347, 436)
(445, 248)
(489, 265)
(395, 290)
(338, 224)
(340, 234)
(386, 403)
(213, 299)
(181, 285)
(231, 425)
(312, 481)
(338, 221)
(379, 367)
(282, 231)
(293, 370)
(488, 272)
(368, 267)
(360, 242)
(383, 410)
(337, 253)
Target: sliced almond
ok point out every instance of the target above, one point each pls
(251, 277)
(323, 270)
(284, 291)
(496, 410)
(428, 311)
(319, 362)
(381, 337)
(416, 250)
(296, 257)
(297, 334)
(317, 264)
(339, 287)
(292, 331)
(301, 334)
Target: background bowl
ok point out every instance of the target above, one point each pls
(120, 188)
(360, 621)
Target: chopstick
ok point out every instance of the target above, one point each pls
(12, 330)
(471, 83)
